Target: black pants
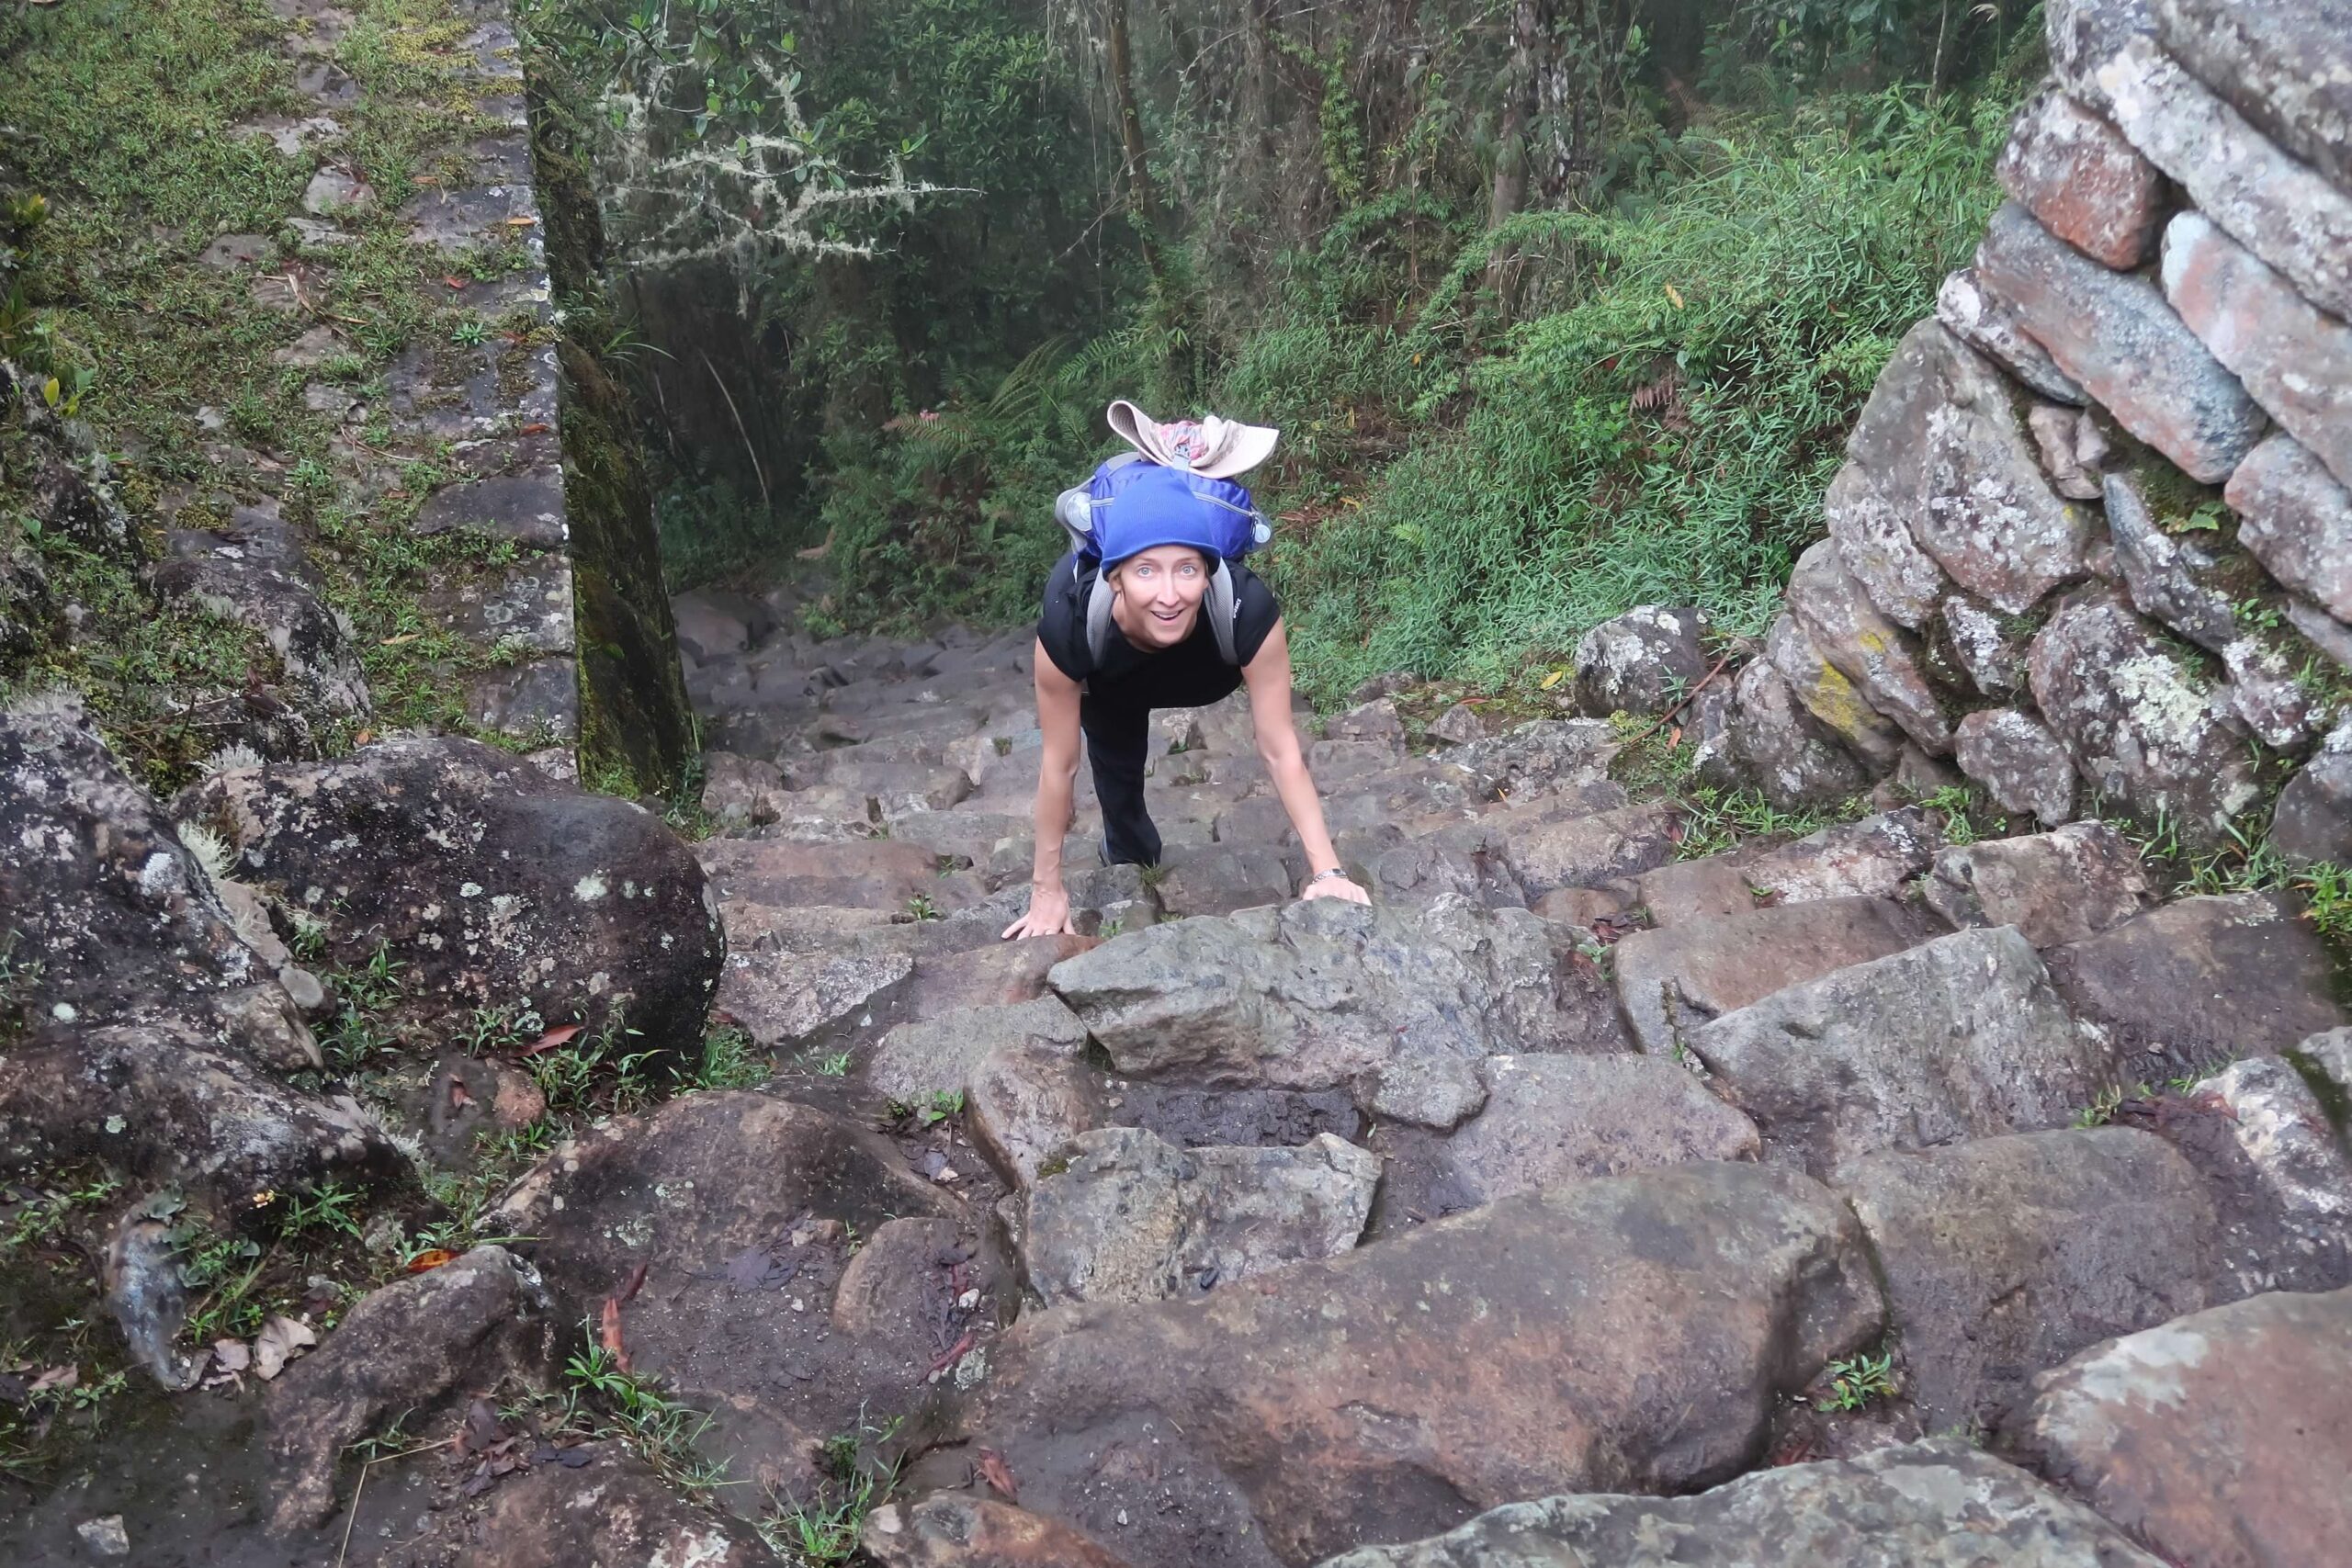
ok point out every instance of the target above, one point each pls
(1118, 742)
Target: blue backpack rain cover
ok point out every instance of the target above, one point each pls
(1168, 507)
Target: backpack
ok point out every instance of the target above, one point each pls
(1075, 508)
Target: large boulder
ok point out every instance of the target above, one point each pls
(1645, 661)
(2222, 1438)
(1130, 1217)
(2003, 1256)
(2138, 722)
(1939, 1504)
(2286, 68)
(1994, 328)
(1550, 1120)
(2200, 980)
(1677, 977)
(1626, 1332)
(1396, 1005)
(156, 1038)
(2059, 886)
(2283, 210)
(2294, 359)
(486, 885)
(449, 1336)
(1964, 1037)
(724, 1224)
(2295, 518)
(2313, 821)
(1880, 660)
(2021, 765)
(2114, 334)
(1773, 742)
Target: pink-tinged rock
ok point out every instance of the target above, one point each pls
(2088, 185)
(2297, 521)
(2222, 1439)
(1880, 658)
(2115, 333)
(2295, 360)
(2082, 34)
(2073, 449)
(2265, 695)
(2022, 764)
(2281, 209)
(2288, 68)
(2141, 726)
(1992, 327)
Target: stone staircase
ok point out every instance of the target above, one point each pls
(1570, 1166)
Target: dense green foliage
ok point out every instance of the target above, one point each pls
(1554, 321)
(1456, 493)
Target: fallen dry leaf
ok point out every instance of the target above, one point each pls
(231, 1355)
(1553, 679)
(536, 427)
(398, 641)
(525, 222)
(280, 1340)
(552, 1039)
(432, 1258)
(454, 282)
(999, 1474)
(57, 1380)
(608, 1333)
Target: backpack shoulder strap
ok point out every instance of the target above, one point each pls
(1221, 604)
(1098, 619)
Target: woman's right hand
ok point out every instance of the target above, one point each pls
(1048, 914)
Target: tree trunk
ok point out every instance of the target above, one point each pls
(1143, 195)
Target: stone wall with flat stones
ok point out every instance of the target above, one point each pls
(2092, 544)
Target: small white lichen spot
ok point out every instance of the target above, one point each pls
(690, 1549)
(64, 1012)
(589, 888)
(470, 890)
(114, 1124)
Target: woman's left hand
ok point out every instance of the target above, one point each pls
(1335, 888)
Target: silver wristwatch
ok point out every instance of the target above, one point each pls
(1326, 876)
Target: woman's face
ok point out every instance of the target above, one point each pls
(1161, 589)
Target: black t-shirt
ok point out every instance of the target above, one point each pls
(1191, 675)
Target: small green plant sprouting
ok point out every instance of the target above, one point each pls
(592, 1073)
(1109, 928)
(825, 1529)
(471, 333)
(2104, 1104)
(46, 1215)
(835, 1066)
(729, 1061)
(330, 1206)
(921, 907)
(18, 978)
(1717, 822)
(604, 1400)
(1858, 1382)
(358, 1034)
(945, 1103)
(1152, 875)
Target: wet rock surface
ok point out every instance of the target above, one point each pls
(1330, 1400)
(1931, 1505)
(2217, 1439)
(492, 886)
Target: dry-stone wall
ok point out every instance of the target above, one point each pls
(2093, 537)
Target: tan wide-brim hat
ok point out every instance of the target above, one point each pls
(1213, 447)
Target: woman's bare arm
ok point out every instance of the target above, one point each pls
(1057, 697)
(1268, 680)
